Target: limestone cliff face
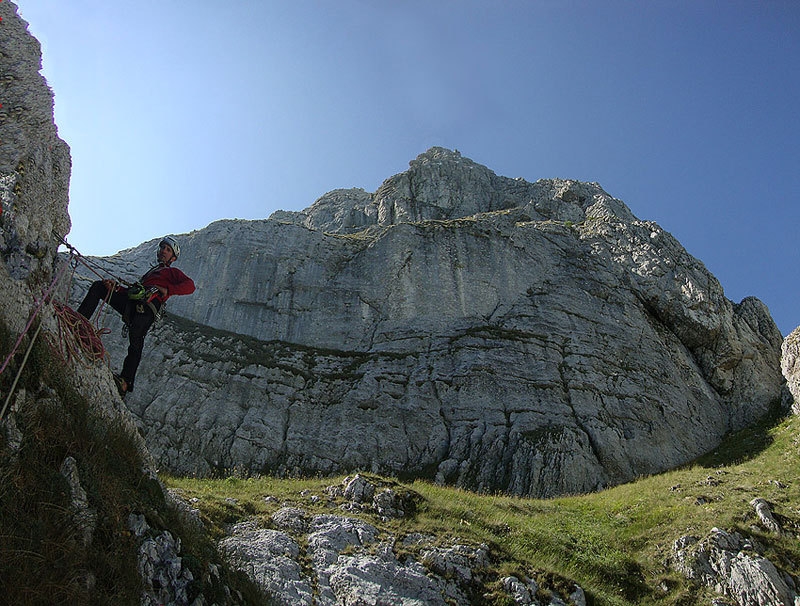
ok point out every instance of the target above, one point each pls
(489, 332)
(35, 169)
(34, 162)
(790, 366)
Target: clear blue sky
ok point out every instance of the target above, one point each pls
(182, 112)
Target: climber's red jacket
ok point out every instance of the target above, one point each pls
(173, 279)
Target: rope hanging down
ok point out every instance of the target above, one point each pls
(39, 304)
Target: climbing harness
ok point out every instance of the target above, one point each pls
(137, 292)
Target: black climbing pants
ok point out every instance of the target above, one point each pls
(137, 315)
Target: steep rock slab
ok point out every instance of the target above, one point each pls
(790, 366)
(547, 343)
(34, 162)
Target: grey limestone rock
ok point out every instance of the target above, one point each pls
(790, 366)
(85, 516)
(352, 564)
(166, 578)
(34, 162)
(522, 591)
(731, 565)
(269, 557)
(291, 519)
(764, 513)
(376, 579)
(482, 331)
(375, 497)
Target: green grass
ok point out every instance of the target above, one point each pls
(613, 543)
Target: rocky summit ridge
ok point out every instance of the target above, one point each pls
(482, 331)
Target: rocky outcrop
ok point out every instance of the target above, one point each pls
(790, 366)
(487, 332)
(34, 162)
(333, 559)
(34, 184)
(733, 566)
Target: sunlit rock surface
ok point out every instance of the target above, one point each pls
(484, 331)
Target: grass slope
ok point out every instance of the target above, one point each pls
(615, 544)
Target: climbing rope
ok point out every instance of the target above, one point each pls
(38, 307)
(85, 343)
(158, 313)
(90, 265)
(19, 372)
(39, 304)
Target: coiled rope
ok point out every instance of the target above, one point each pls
(35, 313)
(85, 343)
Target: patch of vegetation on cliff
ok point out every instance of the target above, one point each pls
(238, 351)
(615, 544)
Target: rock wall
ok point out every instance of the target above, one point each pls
(790, 366)
(488, 332)
(34, 170)
(34, 162)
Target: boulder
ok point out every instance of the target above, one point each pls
(335, 560)
(731, 565)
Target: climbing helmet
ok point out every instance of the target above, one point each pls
(172, 243)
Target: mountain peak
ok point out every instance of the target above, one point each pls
(488, 332)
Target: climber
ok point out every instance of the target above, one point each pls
(140, 304)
